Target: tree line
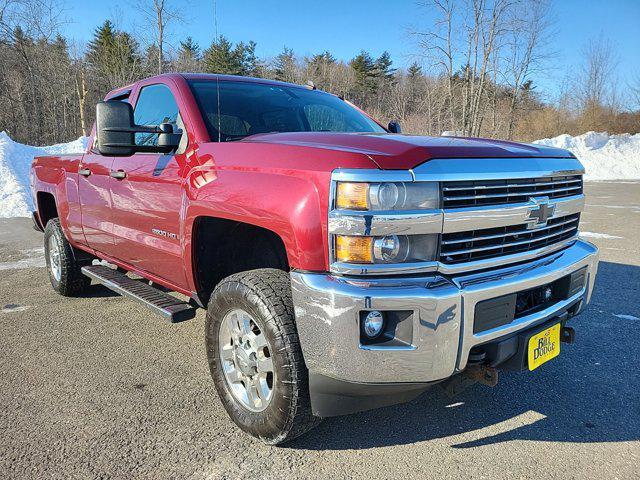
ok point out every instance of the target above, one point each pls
(473, 73)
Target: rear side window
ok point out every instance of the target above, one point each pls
(155, 105)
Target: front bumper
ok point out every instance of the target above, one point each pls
(442, 310)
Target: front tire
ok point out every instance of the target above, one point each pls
(62, 265)
(255, 357)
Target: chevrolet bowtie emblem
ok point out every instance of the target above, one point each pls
(541, 212)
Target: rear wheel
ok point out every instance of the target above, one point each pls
(255, 357)
(62, 265)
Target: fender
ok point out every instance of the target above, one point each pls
(57, 175)
(290, 206)
(282, 188)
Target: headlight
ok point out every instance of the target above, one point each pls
(387, 196)
(387, 249)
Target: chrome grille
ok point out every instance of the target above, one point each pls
(473, 245)
(500, 192)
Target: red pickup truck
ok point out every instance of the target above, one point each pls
(344, 266)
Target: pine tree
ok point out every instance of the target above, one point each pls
(102, 45)
(150, 60)
(383, 68)
(365, 70)
(189, 50)
(189, 56)
(249, 63)
(284, 66)
(414, 70)
(221, 57)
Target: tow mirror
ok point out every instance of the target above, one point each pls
(115, 130)
(394, 127)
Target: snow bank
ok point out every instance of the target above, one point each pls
(15, 162)
(604, 156)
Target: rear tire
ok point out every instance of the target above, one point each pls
(64, 270)
(261, 301)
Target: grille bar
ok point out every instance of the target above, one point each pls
(482, 187)
(526, 194)
(460, 194)
(494, 242)
(509, 244)
(491, 237)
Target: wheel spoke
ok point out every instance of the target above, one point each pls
(253, 394)
(260, 382)
(226, 353)
(259, 341)
(232, 324)
(233, 375)
(265, 364)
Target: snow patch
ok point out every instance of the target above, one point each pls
(604, 156)
(34, 258)
(597, 235)
(12, 308)
(15, 163)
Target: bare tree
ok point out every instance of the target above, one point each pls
(634, 91)
(437, 46)
(161, 14)
(526, 51)
(600, 62)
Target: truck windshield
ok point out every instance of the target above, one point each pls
(235, 110)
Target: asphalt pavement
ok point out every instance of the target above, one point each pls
(98, 387)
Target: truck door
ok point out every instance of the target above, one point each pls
(147, 193)
(94, 183)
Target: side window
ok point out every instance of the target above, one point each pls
(155, 105)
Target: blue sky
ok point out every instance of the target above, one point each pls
(345, 27)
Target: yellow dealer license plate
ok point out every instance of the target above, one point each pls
(544, 346)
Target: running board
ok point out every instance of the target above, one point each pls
(158, 302)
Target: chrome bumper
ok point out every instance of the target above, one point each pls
(327, 314)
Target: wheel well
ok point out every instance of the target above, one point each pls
(46, 207)
(223, 247)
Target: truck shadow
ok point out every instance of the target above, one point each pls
(98, 291)
(589, 394)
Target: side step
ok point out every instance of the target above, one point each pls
(158, 302)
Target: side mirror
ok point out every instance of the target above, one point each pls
(114, 128)
(115, 131)
(394, 127)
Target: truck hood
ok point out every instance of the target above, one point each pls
(394, 151)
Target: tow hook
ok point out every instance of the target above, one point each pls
(483, 374)
(472, 374)
(567, 335)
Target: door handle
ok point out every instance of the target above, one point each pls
(85, 172)
(118, 174)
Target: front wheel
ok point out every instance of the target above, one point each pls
(255, 357)
(64, 269)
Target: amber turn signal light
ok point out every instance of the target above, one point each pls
(354, 249)
(352, 196)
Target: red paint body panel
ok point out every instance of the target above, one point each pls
(276, 181)
(400, 152)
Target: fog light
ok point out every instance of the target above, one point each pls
(373, 323)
